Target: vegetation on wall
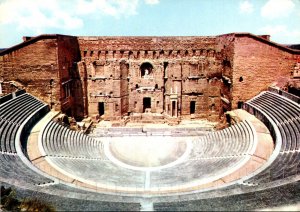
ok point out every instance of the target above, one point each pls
(10, 202)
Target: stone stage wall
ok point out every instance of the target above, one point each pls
(177, 76)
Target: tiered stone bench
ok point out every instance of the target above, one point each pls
(211, 171)
(10, 96)
(59, 141)
(81, 158)
(266, 198)
(285, 94)
(16, 115)
(285, 119)
(233, 141)
(212, 157)
(276, 182)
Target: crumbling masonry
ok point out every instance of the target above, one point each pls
(146, 78)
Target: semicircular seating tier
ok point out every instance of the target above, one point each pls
(15, 116)
(277, 182)
(18, 113)
(210, 155)
(59, 141)
(282, 116)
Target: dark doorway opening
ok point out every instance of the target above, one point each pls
(146, 103)
(240, 104)
(69, 112)
(294, 91)
(173, 108)
(192, 107)
(101, 108)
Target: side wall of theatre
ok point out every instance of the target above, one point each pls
(258, 64)
(33, 67)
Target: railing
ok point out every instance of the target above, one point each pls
(285, 94)
(11, 96)
(5, 98)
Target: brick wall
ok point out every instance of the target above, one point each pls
(35, 68)
(44, 66)
(199, 77)
(256, 66)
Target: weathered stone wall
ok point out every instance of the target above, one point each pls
(106, 82)
(178, 77)
(122, 72)
(117, 47)
(226, 45)
(147, 86)
(70, 92)
(35, 68)
(80, 91)
(45, 66)
(257, 64)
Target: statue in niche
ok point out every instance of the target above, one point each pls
(146, 72)
(146, 75)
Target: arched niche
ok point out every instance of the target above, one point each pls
(146, 69)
